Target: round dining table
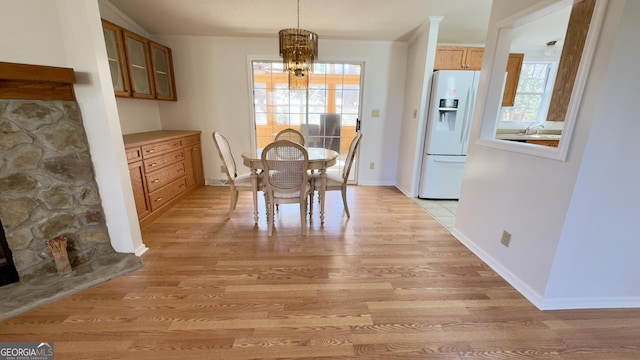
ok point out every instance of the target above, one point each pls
(319, 160)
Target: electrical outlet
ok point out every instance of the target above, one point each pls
(372, 165)
(506, 238)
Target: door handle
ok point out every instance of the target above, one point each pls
(357, 125)
(461, 161)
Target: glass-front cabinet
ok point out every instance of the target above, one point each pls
(139, 64)
(162, 70)
(115, 55)
(140, 68)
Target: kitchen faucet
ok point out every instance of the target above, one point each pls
(531, 127)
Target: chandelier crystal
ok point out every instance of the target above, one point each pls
(299, 49)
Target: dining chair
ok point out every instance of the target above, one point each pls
(334, 182)
(236, 182)
(285, 178)
(291, 135)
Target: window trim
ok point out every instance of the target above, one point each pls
(546, 97)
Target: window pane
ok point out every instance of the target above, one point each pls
(333, 98)
(532, 85)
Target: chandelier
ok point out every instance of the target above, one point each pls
(298, 48)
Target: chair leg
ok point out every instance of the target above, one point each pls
(233, 201)
(344, 200)
(255, 206)
(266, 206)
(303, 215)
(312, 183)
(270, 217)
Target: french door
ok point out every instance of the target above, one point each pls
(326, 113)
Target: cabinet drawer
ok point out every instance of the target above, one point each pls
(133, 154)
(160, 148)
(160, 178)
(165, 194)
(158, 162)
(191, 140)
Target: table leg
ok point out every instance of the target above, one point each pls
(323, 187)
(254, 182)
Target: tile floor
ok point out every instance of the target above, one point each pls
(444, 211)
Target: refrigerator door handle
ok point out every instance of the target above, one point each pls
(466, 116)
(470, 108)
(457, 161)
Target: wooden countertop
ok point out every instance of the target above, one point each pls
(159, 135)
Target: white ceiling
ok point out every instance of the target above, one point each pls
(465, 21)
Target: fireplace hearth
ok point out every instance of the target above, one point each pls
(48, 190)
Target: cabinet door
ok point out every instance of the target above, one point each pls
(193, 165)
(514, 66)
(450, 58)
(163, 72)
(139, 64)
(115, 55)
(139, 190)
(473, 58)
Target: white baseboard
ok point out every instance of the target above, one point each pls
(140, 250)
(533, 296)
(538, 299)
(372, 183)
(403, 190)
(591, 303)
(216, 182)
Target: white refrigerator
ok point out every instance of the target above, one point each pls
(449, 116)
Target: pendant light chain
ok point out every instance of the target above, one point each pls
(298, 14)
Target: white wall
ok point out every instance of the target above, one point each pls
(67, 33)
(597, 259)
(535, 198)
(214, 94)
(420, 61)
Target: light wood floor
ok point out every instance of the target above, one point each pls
(390, 283)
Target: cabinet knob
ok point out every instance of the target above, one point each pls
(155, 181)
(151, 150)
(153, 164)
(159, 199)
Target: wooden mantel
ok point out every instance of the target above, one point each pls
(36, 82)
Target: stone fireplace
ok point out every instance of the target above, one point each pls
(8, 272)
(47, 189)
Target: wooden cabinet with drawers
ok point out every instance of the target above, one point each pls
(164, 166)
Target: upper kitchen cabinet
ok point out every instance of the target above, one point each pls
(139, 65)
(140, 68)
(116, 57)
(458, 58)
(514, 66)
(163, 71)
